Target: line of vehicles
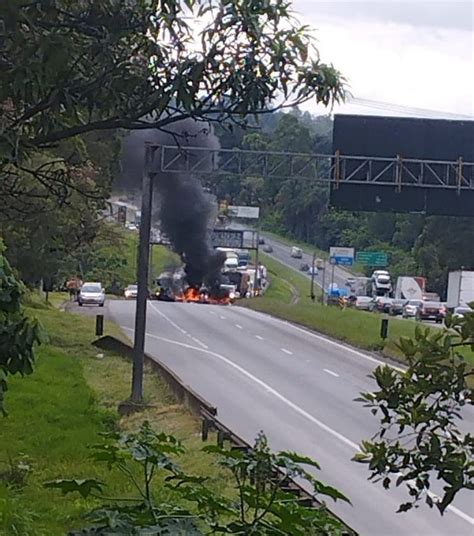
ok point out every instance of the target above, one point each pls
(239, 279)
(410, 299)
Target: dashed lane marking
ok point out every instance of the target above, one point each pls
(286, 351)
(286, 401)
(331, 372)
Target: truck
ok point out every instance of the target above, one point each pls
(408, 288)
(460, 288)
(381, 283)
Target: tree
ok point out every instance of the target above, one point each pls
(70, 67)
(420, 437)
(18, 333)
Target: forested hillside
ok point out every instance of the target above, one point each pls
(417, 245)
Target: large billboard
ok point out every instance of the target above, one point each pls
(409, 138)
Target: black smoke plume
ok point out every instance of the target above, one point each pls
(183, 209)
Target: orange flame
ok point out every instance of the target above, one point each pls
(192, 295)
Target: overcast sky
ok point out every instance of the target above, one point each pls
(409, 53)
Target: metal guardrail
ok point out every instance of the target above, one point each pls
(335, 169)
(305, 498)
(208, 413)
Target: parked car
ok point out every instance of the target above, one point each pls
(296, 253)
(131, 292)
(91, 293)
(462, 310)
(396, 307)
(267, 248)
(431, 311)
(410, 308)
(304, 267)
(364, 303)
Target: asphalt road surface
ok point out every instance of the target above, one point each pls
(281, 252)
(266, 374)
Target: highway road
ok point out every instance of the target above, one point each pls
(266, 374)
(281, 253)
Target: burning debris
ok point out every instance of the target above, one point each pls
(183, 209)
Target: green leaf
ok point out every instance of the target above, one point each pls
(84, 487)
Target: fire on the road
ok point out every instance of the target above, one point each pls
(194, 295)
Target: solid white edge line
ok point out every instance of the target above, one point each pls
(320, 338)
(179, 328)
(331, 372)
(259, 382)
(286, 401)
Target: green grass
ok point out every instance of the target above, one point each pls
(358, 328)
(58, 411)
(162, 257)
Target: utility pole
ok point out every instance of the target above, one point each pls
(312, 277)
(142, 277)
(323, 297)
(255, 281)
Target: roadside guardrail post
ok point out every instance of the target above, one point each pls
(384, 328)
(99, 325)
(205, 429)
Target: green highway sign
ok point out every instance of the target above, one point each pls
(372, 258)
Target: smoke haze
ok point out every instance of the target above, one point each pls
(184, 210)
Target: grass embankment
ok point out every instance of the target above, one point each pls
(161, 257)
(58, 411)
(358, 328)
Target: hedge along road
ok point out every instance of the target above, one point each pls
(266, 374)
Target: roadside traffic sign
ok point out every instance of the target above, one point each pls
(372, 258)
(341, 256)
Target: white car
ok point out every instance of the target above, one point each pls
(364, 303)
(411, 308)
(460, 311)
(131, 292)
(91, 293)
(296, 253)
(313, 270)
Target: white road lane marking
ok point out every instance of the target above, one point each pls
(196, 340)
(238, 326)
(259, 337)
(222, 317)
(322, 338)
(267, 388)
(179, 328)
(286, 351)
(331, 372)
